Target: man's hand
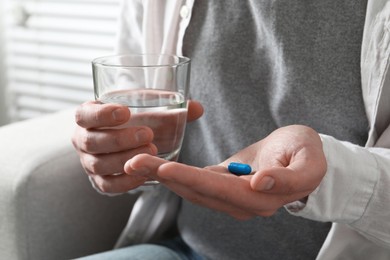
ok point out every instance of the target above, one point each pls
(104, 146)
(288, 165)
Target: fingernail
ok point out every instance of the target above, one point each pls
(266, 183)
(119, 115)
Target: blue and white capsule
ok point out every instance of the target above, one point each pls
(239, 168)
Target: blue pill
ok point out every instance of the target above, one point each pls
(239, 168)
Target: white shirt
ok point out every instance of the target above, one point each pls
(355, 192)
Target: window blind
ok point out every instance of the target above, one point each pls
(50, 45)
(3, 109)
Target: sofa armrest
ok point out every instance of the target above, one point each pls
(48, 209)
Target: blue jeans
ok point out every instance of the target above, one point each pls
(174, 249)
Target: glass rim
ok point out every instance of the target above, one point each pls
(103, 61)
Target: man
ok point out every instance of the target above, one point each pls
(270, 76)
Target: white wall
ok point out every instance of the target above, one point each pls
(3, 102)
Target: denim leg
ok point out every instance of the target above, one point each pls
(137, 252)
(178, 245)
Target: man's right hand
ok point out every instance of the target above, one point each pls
(104, 147)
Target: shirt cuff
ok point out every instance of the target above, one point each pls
(345, 190)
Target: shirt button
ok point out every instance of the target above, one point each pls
(184, 11)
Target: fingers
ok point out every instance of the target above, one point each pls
(224, 192)
(195, 110)
(137, 167)
(111, 140)
(94, 115)
(216, 204)
(92, 135)
(290, 163)
(294, 182)
(117, 183)
(109, 163)
(106, 170)
(217, 168)
(144, 165)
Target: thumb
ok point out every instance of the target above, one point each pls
(283, 181)
(195, 110)
(298, 179)
(272, 180)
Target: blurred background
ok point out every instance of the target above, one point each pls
(46, 47)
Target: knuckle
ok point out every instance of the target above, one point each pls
(74, 139)
(81, 114)
(118, 140)
(98, 114)
(84, 163)
(88, 142)
(85, 168)
(104, 186)
(79, 117)
(94, 165)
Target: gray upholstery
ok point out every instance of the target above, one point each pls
(48, 209)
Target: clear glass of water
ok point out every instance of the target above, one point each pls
(155, 89)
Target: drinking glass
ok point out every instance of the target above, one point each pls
(155, 89)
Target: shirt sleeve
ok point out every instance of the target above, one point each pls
(148, 26)
(354, 191)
